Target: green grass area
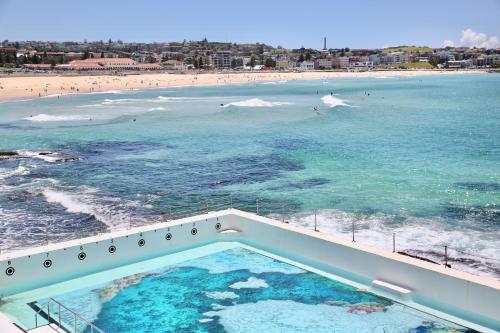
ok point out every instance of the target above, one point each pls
(408, 49)
(417, 65)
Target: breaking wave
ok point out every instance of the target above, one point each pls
(332, 101)
(256, 103)
(46, 117)
(275, 82)
(19, 171)
(470, 250)
(110, 211)
(159, 108)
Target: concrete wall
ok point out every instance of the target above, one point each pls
(29, 267)
(460, 294)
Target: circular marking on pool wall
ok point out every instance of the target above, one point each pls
(168, 236)
(10, 271)
(141, 242)
(112, 249)
(47, 263)
(194, 231)
(82, 255)
(218, 226)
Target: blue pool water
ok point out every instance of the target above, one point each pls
(419, 156)
(239, 290)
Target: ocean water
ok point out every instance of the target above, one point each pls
(418, 157)
(238, 290)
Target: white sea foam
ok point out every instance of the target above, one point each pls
(256, 103)
(159, 108)
(205, 320)
(221, 294)
(169, 98)
(117, 92)
(109, 101)
(427, 235)
(85, 201)
(46, 117)
(275, 82)
(332, 101)
(251, 283)
(384, 77)
(19, 171)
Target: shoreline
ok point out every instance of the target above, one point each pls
(17, 88)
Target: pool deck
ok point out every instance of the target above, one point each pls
(47, 329)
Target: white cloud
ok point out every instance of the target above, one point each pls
(474, 39)
(478, 39)
(448, 43)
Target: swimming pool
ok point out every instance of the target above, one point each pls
(222, 287)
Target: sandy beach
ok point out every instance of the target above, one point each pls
(19, 87)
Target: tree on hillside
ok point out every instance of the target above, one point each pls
(252, 61)
(233, 63)
(301, 57)
(270, 63)
(308, 56)
(102, 54)
(85, 55)
(200, 62)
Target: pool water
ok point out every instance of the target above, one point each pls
(240, 290)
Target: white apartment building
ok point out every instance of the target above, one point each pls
(307, 66)
(324, 63)
(222, 59)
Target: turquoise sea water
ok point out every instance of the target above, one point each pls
(416, 156)
(238, 290)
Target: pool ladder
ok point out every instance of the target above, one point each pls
(76, 318)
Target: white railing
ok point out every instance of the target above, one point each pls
(55, 318)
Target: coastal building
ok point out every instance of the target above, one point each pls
(11, 51)
(361, 66)
(149, 67)
(375, 59)
(395, 57)
(306, 66)
(282, 65)
(323, 63)
(340, 62)
(107, 64)
(174, 65)
(458, 63)
(222, 59)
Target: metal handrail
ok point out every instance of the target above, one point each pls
(76, 317)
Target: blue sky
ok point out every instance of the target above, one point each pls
(292, 23)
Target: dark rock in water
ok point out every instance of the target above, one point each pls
(478, 186)
(8, 153)
(67, 159)
(59, 158)
(418, 257)
(55, 156)
(488, 214)
(308, 183)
